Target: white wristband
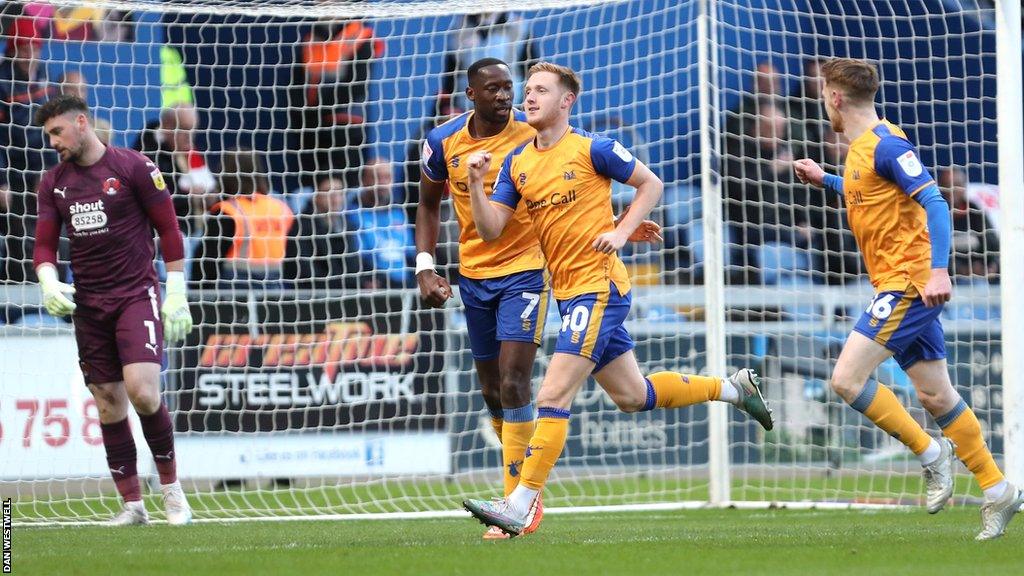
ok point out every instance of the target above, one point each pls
(424, 261)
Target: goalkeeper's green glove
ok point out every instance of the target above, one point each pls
(54, 299)
(176, 316)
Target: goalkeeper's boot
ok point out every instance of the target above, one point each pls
(938, 477)
(178, 511)
(995, 515)
(534, 517)
(132, 514)
(748, 384)
(498, 513)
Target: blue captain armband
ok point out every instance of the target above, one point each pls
(833, 183)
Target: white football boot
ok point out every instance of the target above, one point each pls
(938, 477)
(178, 511)
(132, 514)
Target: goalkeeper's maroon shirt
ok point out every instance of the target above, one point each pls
(108, 211)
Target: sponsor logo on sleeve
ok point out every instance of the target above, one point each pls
(910, 164)
(621, 152)
(158, 178)
(427, 152)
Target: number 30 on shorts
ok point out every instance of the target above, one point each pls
(881, 306)
(577, 319)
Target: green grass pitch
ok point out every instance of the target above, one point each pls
(719, 541)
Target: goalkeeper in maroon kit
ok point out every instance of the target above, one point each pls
(109, 200)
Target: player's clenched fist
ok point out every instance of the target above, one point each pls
(175, 314)
(54, 299)
(808, 172)
(434, 289)
(479, 164)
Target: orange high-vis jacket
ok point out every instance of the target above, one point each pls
(322, 58)
(261, 229)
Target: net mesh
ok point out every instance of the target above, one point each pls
(316, 383)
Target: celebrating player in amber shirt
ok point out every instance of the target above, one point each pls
(563, 177)
(502, 285)
(902, 226)
(110, 200)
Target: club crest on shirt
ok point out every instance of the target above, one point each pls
(112, 186)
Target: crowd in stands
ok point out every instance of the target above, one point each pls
(353, 227)
(782, 232)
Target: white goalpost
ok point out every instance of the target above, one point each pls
(326, 389)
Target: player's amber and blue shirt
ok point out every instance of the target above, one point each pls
(503, 286)
(882, 178)
(902, 227)
(445, 152)
(566, 190)
(567, 193)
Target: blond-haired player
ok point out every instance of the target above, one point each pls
(902, 226)
(563, 178)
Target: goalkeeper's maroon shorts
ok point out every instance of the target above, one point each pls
(114, 332)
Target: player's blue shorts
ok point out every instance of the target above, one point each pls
(507, 308)
(592, 326)
(901, 322)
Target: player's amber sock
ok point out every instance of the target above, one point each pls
(497, 420)
(159, 433)
(961, 426)
(882, 407)
(121, 459)
(545, 446)
(515, 436)
(675, 390)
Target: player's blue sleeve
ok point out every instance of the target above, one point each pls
(897, 161)
(432, 160)
(834, 183)
(504, 188)
(939, 224)
(611, 159)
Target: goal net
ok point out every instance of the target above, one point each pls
(316, 383)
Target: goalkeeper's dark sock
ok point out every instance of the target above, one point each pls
(121, 459)
(159, 433)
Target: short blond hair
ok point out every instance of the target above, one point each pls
(566, 77)
(858, 79)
